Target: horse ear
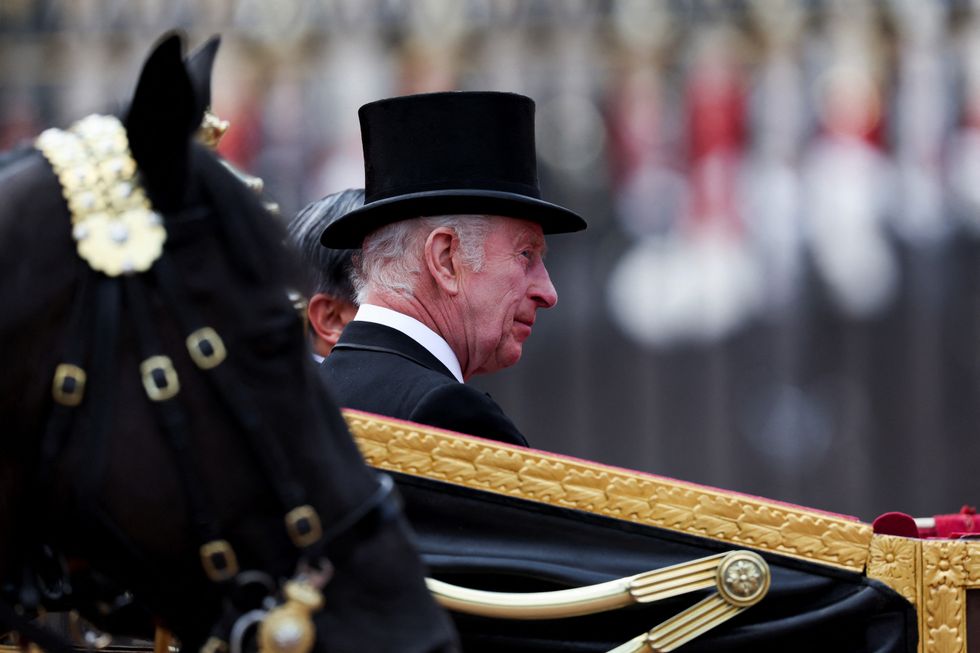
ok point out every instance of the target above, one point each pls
(199, 66)
(161, 119)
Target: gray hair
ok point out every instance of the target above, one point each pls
(391, 257)
(325, 270)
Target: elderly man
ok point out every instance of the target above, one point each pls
(451, 271)
(329, 289)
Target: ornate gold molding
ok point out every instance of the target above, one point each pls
(947, 567)
(896, 562)
(728, 517)
(934, 575)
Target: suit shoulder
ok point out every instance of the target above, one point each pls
(461, 408)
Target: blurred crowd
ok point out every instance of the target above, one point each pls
(779, 291)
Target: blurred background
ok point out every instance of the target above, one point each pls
(779, 290)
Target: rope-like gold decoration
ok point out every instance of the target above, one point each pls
(115, 228)
(656, 501)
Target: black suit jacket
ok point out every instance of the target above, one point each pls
(381, 370)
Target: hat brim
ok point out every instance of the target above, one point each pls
(349, 230)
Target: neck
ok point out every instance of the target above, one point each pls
(435, 314)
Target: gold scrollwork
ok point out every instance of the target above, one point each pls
(665, 503)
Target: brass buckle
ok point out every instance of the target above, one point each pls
(68, 386)
(206, 348)
(218, 560)
(303, 524)
(171, 385)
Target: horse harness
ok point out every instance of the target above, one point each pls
(119, 239)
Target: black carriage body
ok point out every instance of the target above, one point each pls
(481, 540)
(507, 519)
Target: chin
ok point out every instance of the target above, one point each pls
(511, 359)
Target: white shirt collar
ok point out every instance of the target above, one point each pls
(432, 341)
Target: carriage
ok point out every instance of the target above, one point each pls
(206, 484)
(496, 516)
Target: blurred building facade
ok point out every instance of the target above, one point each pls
(779, 291)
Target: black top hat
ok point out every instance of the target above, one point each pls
(453, 153)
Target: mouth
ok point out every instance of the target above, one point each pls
(524, 326)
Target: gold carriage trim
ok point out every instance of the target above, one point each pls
(728, 517)
(934, 575)
(114, 226)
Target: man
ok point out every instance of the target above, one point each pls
(331, 300)
(451, 271)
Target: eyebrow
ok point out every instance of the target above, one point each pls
(534, 242)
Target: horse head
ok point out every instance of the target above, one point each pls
(164, 431)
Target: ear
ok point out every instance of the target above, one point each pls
(160, 122)
(200, 63)
(439, 254)
(328, 316)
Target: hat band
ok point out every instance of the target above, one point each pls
(493, 185)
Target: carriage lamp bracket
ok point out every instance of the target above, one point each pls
(68, 386)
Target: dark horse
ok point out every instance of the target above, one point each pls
(165, 468)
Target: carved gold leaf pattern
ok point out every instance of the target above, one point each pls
(675, 508)
(725, 516)
(456, 461)
(717, 517)
(761, 526)
(412, 451)
(500, 469)
(945, 640)
(892, 560)
(543, 480)
(847, 541)
(944, 573)
(630, 498)
(806, 533)
(586, 489)
(945, 562)
(973, 564)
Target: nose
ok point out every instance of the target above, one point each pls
(542, 290)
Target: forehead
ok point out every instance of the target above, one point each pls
(516, 232)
